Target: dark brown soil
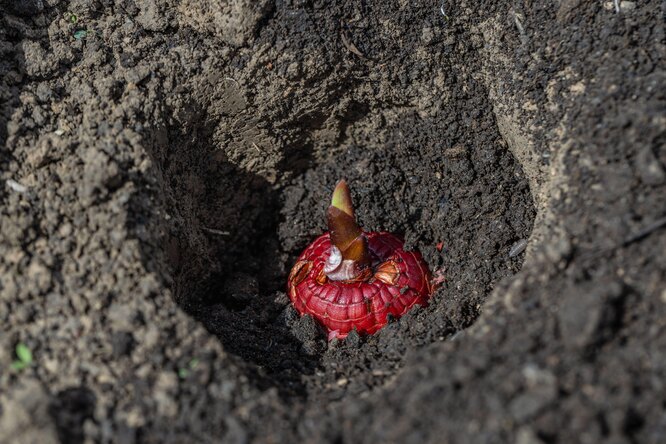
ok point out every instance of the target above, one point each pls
(163, 163)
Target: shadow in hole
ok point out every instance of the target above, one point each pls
(69, 410)
(223, 250)
(297, 155)
(11, 81)
(298, 152)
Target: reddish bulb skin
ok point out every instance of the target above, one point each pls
(342, 306)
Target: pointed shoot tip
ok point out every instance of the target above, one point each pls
(346, 236)
(342, 198)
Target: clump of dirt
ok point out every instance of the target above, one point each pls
(163, 164)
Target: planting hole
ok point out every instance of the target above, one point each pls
(247, 169)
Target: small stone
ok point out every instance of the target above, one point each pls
(43, 92)
(151, 337)
(624, 6)
(15, 186)
(100, 172)
(121, 316)
(235, 432)
(527, 405)
(539, 379)
(135, 417)
(144, 371)
(649, 168)
(39, 274)
(541, 389)
(167, 381)
(152, 17)
(293, 70)
(559, 249)
(166, 405)
(526, 435)
(66, 229)
(588, 312)
(137, 74)
(461, 373)
(39, 156)
(427, 35)
(50, 365)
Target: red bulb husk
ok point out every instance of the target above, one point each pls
(399, 280)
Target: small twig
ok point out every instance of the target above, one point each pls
(349, 44)
(218, 232)
(233, 80)
(518, 23)
(617, 6)
(639, 235)
(644, 232)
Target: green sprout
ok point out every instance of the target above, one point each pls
(24, 356)
(73, 18)
(80, 34)
(185, 372)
